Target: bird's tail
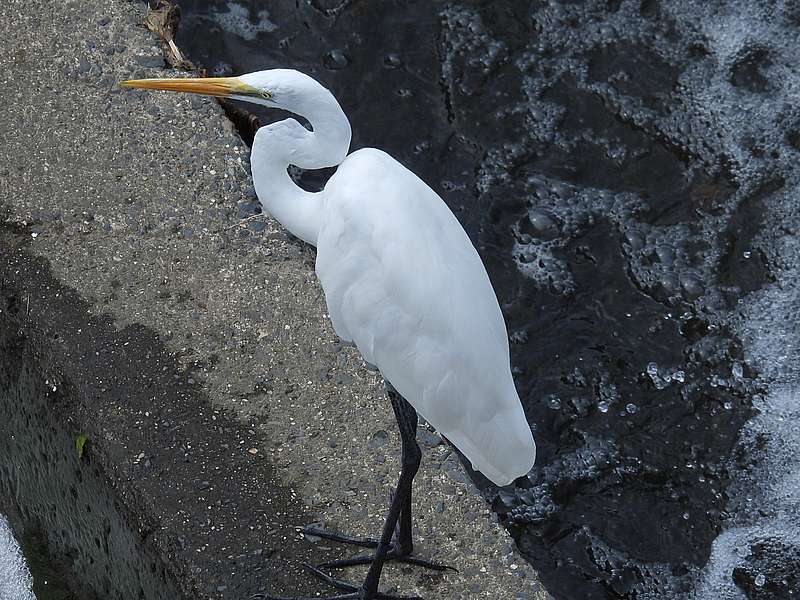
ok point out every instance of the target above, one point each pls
(501, 448)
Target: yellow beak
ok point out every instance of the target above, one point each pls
(220, 87)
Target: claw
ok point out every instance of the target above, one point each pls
(341, 538)
(332, 581)
(340, 597)
(391, 556)
(365, 560)
(345, 586)
(353, 596)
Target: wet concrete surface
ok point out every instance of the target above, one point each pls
(99, 549)
(190, 346)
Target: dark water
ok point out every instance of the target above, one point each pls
(612, 161)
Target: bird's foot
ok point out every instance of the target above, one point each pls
(364, 542)
(396, 553)
(391, 555)
(352, 592)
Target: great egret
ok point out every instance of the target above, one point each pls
(402, 281)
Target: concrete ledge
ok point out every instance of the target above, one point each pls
(221, 410)
(47, 486)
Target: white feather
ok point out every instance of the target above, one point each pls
(405, 284)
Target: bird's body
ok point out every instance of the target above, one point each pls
(402, 282)
(405, 284)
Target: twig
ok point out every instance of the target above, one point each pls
(245, 220)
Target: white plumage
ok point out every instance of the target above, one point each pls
(404, 283)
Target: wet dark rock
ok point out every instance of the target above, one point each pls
(452, 467)
(200, 485)
(392, 61)
(665, 254)
(150, 62)
(669, 283)
(518, 337)
(691, 285)
(335, 59)
(257, 226)
(248, 209)
(428, 439)
(221, 69)
(379, 439)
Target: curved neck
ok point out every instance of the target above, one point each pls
(287, 142)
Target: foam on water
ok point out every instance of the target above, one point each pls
(15, 579)
(239, 20)
(727, 103)
(758, 555)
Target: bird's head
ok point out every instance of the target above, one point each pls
(289, 90)
(276, 88)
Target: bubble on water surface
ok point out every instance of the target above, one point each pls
(736, 370)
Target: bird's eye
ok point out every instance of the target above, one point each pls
(266, 95)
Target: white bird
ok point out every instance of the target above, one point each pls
(402, 281)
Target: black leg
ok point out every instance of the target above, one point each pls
(411, 456)
(397, 524)
(404, 545)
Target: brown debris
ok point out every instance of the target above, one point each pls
(162, 19)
